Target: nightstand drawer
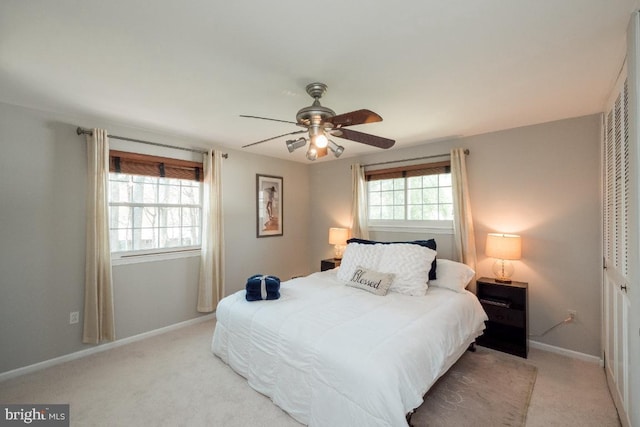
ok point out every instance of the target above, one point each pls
(505, 316)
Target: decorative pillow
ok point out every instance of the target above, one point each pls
(359, 255)
(431, 244)
(453, 275)
(410, 265)
(371, 281)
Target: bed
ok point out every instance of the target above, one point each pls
(335, 355)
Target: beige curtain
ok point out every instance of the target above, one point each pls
(359, 205)
(98, 293)
(464, 238)
(211, 283)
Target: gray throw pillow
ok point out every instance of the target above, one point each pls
(371, 281)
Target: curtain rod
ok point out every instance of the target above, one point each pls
(466, 151)
(83, 131)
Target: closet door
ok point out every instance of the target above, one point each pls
(616, 234)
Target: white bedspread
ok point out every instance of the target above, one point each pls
(332, 355)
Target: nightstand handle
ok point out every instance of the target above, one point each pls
(623, 288)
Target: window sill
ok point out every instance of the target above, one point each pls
(124, 258)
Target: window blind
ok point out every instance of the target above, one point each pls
(143, 164)
(408, 171)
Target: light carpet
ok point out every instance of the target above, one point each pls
(174, 380)
(485, 388)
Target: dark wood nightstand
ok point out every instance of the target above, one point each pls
(506, 304)
(328, 264)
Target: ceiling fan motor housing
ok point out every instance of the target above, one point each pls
(315, 114)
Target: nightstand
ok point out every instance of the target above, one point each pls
(328, 264)
(506, 305)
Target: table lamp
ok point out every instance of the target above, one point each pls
(338, 237)
(503, 247)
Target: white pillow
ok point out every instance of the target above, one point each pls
(371, 281)
(452, 275)
(359, 255)
(410, 265)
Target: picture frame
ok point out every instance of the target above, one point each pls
(269, 212)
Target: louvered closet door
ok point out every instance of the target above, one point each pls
(616, 233)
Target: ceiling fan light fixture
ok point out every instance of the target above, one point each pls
(336, 149)
(321, 141)
(317, 136)
(294, 144)
(312, 152)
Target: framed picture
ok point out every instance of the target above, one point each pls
(269, 216)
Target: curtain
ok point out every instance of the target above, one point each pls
(211, 282)
(464, 238)
(98, 294)
(359, 210)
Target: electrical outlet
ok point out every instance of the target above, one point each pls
(572, 314)
(74, 317)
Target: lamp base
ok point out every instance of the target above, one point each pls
(503, 271)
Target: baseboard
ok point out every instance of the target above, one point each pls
(99, 348)
(565, 352)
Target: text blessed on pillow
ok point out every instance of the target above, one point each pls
(371, 281)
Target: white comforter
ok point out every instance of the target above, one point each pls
(332, 355)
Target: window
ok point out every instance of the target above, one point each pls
(412, 195)
(154, 203)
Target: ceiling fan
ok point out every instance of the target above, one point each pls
(321, 122)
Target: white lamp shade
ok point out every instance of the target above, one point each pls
(338, 236)
(503, 246)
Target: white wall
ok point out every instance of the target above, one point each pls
(539, 181)
(286, 256)
(42, 197)
(42, 237)
(542, 182)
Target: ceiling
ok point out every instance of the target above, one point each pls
(433, 69)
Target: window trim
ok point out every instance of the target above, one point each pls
(407, 225)
(157, 167)
(152, 255)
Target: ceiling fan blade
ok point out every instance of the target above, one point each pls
(363, 138)
(357, 117)
(275, 137)
(266, 118)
